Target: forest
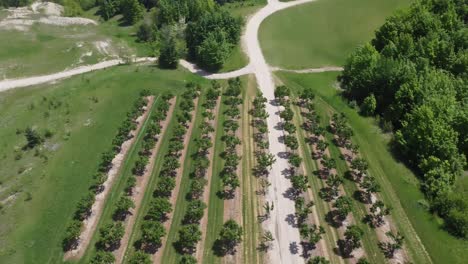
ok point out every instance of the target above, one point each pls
(413, 76)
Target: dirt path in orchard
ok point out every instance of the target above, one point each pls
(141, 185)
(90, 224)
(233, 207)
(175, 193)
(207, 191)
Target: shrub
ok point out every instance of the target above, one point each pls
(33, 138)
(71, 235)
(103, 257)
(369, 105)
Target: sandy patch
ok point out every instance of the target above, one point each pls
(47, 8)
(10, 198)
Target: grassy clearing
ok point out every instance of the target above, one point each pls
(322, 33)
(84, 113)
(46, 48)
(236, 60)
(400, 187)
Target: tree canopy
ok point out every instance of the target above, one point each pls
(413, 75)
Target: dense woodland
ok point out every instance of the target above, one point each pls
(413, 76)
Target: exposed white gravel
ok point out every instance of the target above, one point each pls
(22, 18)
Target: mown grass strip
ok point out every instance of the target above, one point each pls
(249, 183)
(216, 204)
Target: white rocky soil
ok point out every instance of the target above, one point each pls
(22, 18)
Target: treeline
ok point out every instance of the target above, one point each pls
(83, 209)
(413, 76)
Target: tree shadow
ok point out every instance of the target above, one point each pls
(334, 219)
(291, 220)
(149, 248)
(306, 248)
(293, 248)
(291, 194)
(222, 248)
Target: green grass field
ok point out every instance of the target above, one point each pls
(39, 191)
(400, 187)
(45, 49)
(251, 203)
(215, 205)
(322, 33)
